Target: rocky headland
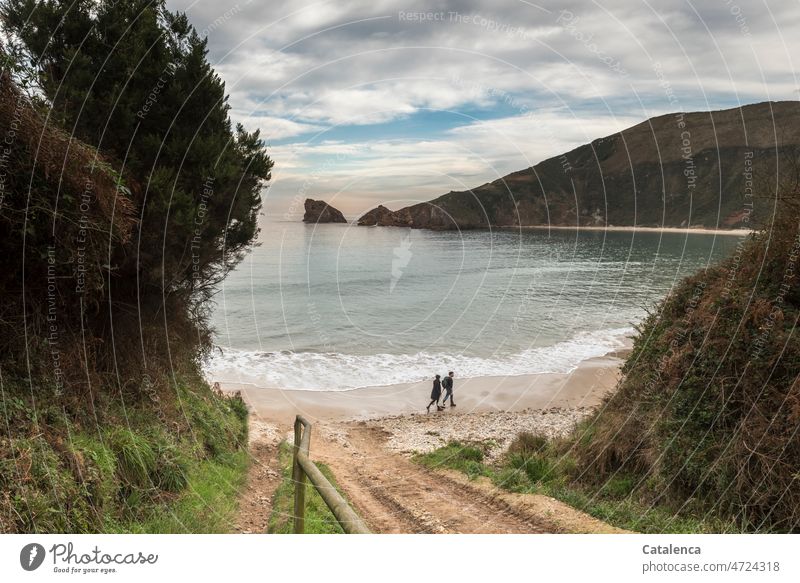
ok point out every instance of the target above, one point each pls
(680, 170)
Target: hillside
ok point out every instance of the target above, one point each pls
(706, 417)
(107, 269)
(675, 170)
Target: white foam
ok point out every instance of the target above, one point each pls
(341, 372)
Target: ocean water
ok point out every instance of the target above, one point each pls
(336, 307)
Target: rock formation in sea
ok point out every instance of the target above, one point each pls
(318, 211)
(423, 215)
(380, 216)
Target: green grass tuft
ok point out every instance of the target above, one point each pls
(318, 517)
(207, 504)
(467, 458)
(136, 459)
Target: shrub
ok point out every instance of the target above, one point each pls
(705, 417)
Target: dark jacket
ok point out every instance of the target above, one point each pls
(447, 383)
(437, 389)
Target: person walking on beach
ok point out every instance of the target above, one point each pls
(435, 394)
(447, 384)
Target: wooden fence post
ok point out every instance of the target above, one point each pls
(299, 480)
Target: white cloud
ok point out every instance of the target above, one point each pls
(310, 65)
(274, 128)
(399, 172)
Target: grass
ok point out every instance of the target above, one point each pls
(318, 517)
(466, 458)
(532, 467)
(207, 505)
(130, 469)
(626, 512)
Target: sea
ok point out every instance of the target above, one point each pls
(334, 307)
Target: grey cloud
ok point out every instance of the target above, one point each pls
(634, 37)
(350, 61)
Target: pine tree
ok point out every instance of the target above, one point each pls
(133, 80)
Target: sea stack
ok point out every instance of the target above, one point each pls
(379, 216)
(318, 211)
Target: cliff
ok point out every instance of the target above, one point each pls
(675, 170)
(318, 211)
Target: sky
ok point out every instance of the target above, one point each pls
(396, 102)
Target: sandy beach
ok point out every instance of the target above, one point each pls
(690, 230)
(367, 438)
(583, 387)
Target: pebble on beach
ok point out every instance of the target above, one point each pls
(425, 433)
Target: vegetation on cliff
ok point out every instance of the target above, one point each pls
(707, 416)
(126, 196)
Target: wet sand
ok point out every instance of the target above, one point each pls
(583, 387)
(700, 230)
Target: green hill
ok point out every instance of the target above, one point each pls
(676, 170)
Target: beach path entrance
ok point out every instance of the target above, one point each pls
(395, 495)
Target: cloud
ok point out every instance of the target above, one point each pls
(274, 128)
(400, 172)
(545, 77)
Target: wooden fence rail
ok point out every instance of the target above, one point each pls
(304, 468)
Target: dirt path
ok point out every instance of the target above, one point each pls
(263, 478)
(395, 495)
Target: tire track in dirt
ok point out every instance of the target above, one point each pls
(395, 495)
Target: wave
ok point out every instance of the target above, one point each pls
(331, 371)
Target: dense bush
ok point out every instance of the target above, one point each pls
(707, 416)
(126, 195)
(140, 205)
